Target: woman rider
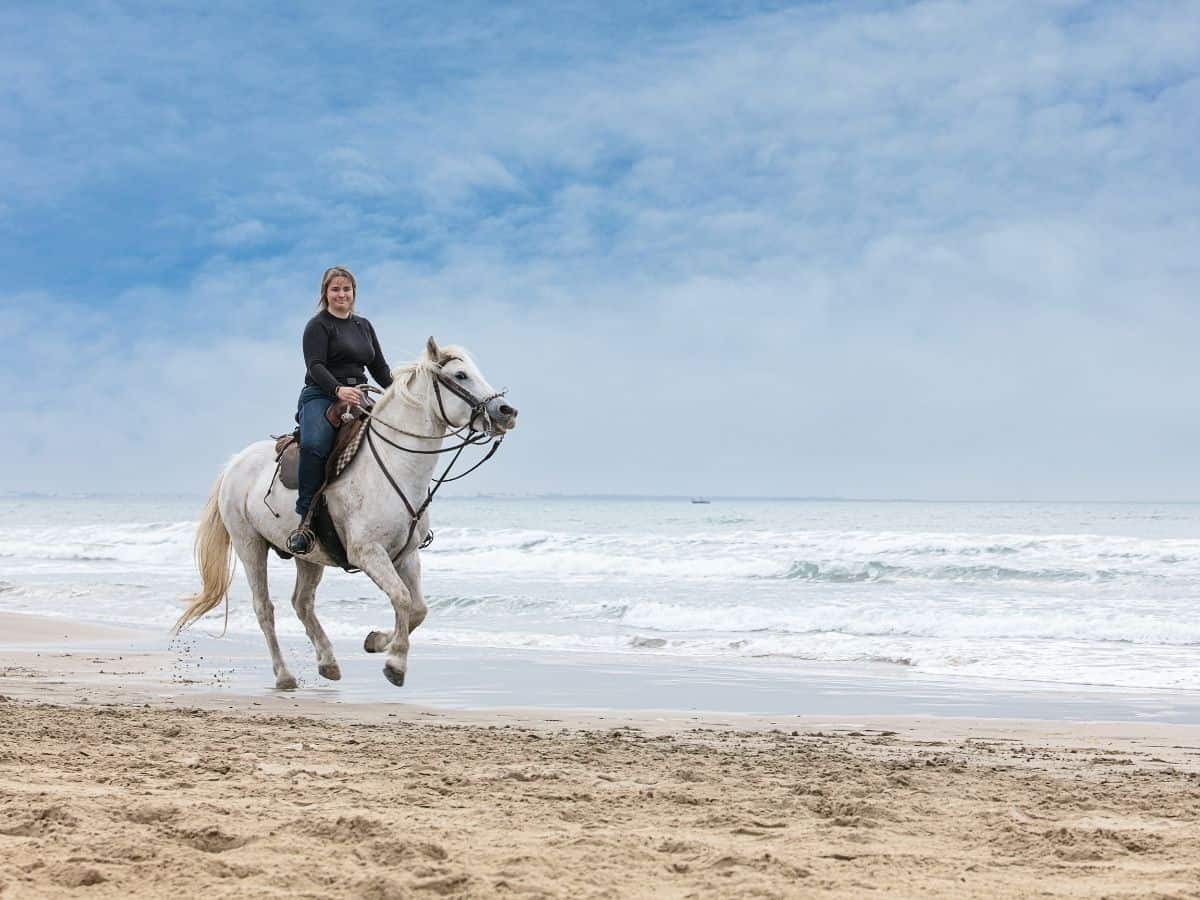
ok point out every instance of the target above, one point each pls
(337, 345)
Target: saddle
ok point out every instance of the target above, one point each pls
(349, 419)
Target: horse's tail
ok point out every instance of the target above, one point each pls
(213, 559)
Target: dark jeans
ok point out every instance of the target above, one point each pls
(316, 442)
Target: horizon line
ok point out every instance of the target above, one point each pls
(555, 495)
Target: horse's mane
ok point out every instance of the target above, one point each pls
(412, 383)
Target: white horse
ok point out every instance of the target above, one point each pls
(440, 394)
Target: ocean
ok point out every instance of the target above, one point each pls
(1062, 594)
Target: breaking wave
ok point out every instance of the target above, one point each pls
(1065, 606)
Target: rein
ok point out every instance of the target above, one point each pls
(473, 438)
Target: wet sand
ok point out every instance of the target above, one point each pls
(120, 778)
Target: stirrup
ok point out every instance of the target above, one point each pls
(301, 541)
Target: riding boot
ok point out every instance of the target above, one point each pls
(311, 476)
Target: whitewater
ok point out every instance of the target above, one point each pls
(1042, 593)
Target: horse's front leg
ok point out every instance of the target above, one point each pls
(304, 601)
(374, 560)
(409, 570)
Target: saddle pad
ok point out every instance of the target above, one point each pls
(345, 448)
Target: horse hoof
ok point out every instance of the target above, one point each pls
(285, 683)
(376, 641)
(395, 676)
(331, 671)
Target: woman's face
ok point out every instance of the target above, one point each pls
(339, 294)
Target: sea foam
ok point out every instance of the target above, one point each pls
(1054, 593)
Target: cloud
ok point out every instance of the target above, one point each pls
(936, 249)
(242, 234)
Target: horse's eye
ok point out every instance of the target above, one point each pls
(461, 376)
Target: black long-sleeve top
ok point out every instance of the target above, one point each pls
(336, 350)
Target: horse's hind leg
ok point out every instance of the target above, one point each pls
(304, 601)
(253, 554)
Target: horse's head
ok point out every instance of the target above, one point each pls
(463, 395)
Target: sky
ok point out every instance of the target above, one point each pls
(940, 250)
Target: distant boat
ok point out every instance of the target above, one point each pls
(700, 500)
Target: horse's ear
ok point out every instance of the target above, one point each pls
(431, 348)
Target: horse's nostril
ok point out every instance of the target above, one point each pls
(506, 410)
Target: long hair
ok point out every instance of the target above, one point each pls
(331, 273)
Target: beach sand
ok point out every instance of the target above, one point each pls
(117, 782)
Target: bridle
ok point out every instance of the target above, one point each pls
(468, 434)
(478, 407)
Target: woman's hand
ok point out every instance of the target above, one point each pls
(352, 394)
